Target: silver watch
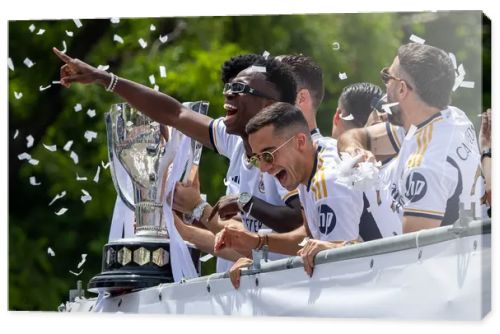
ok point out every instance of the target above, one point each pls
(198, 211)
(243, 200)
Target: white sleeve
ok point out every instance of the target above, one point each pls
(222, 142)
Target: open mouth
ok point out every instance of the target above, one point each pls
(230, 109)
(281, 176)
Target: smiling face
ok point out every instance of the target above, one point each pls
(287, 165)
(240, 107)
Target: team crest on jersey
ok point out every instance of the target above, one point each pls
(261, 184)
(416, 187)
(327, 219)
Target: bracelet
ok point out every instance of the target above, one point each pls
(486, 153)
(112, 83)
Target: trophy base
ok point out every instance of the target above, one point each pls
(135, 263)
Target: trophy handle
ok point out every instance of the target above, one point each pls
(118, 173)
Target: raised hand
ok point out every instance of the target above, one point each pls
(226, 206)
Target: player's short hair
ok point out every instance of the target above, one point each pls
(283, 116)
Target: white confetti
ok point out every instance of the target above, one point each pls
(163, 71)
(461, 70)
(51, 148)
(51, 252)
(78, 107)
(163, 39)
(64, 48)
(266, 54)
(143, 43)
(254, 68)
(356, 174)
(349, 117)
(105, 166)
(34, 162)
(115, 20)
(56, 82)
(28, 62)
(303, 242)
(80, 178)
(10, 64)
(467, 84)
(205, 258)
(58, 196)
(67, 146)
(61, 211)
(40, 32)
(74, 156)
(76, 274)
(117, 38)
(96, 177)
(33, 181)
(91, 113)
(89, 135)
(156, 88)
(342, 75)
(69, 33)
(18, 95)
(16, 134)
(85, 198)
(152, 27)
(387, 107)
(453, 60)
(24, 156)
(335, 46)
(152, 79)
(32, 27)
(78, 23)
(103, 67)
(416, 39)
(29, 141)
(42, 88)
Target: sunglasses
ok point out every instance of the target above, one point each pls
(386, 77)
(243, 88)
(266, 156)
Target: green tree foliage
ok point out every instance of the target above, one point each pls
(193, 55)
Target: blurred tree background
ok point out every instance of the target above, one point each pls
(356, 44)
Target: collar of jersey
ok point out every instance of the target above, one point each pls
(315, 166)
(428, 120)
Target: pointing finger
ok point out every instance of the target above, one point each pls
(64, 57)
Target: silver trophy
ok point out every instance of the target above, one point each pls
(143, 149)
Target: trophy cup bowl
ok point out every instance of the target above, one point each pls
(142, 148)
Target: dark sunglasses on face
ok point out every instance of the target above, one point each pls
(243, 88)
(266, 156)
(386, 77)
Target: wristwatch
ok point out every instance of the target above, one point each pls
(243, 200)
(486, 153)
(198, 211)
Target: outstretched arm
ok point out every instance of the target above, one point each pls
(160, 107)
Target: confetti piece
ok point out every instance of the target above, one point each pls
(24, 156)
(265, 54)
(96, 177)
(34, 162)
(64, 48)
(58, 196)
(85, 198)
(163, 39)
(51, 252)
(76, 274)
(10, 64)
(74, 156)
(91, 113)
(335, 46)
(342, 76)
(461, 70)
(467, 84)
(78, 23)
(16, 134)
(56, 82)
(78, 107)
(453, 60)
(40, 32)
(28, 62)
(69, 33)
(32, 27)
(117, 38)
(33, 181)
(29, 141)
(84, 258)
(115, 20)
(80, 178)
(416, 39)
(142, 43)
(156, 88)
(303, 242)
(67, 146)
(42, 88)
(206, 257)
(89, 135)
(18, 95)
(105, 166)
(152, 27)
(349, 117)
(152, 79)
(163, 71)
(254, 68)
(51, 148)
(61, 211)
(103, 67)
(387, 107)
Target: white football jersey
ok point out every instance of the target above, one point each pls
(437, 168)
(332, 210)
